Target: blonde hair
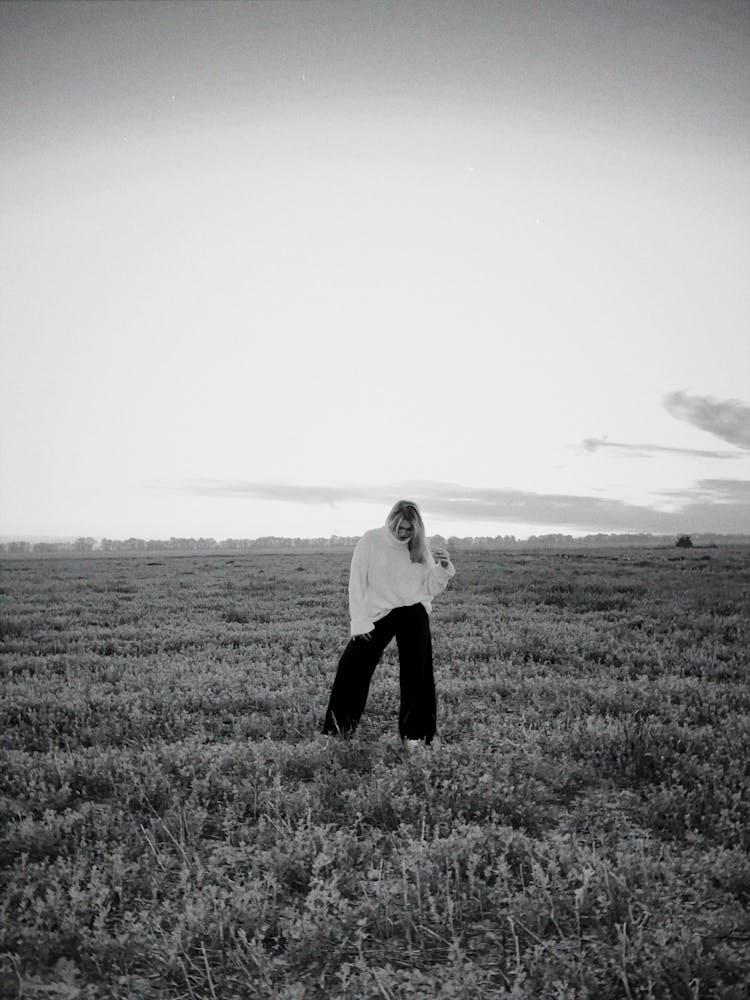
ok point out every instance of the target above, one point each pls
(406, 510)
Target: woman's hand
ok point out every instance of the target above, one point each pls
(441, 556)
(365, 635)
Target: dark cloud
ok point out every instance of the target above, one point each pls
(647, 450)
(728, 419)
(718, 491)
(713, 505)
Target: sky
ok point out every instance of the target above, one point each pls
(269, 267)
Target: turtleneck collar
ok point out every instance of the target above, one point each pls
(392, 540)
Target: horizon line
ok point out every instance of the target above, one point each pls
(52, 539)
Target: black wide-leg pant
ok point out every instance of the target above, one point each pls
(418, 713)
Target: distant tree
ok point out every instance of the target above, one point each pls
(47, 547)
(84, 545)
(134, 545)
(684, 542)
(19, 548)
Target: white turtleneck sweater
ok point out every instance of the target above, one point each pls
(383, 577)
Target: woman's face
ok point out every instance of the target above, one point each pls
(404, 531)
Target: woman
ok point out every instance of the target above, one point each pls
(392, 581)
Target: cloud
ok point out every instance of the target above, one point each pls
(728, 419)
(715, 491)
(647, 450)
(283, 492)
(713, 505)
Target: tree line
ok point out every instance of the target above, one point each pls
(89, 545)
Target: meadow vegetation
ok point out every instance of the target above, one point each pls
(175, 826)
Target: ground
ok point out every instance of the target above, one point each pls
(174, 825)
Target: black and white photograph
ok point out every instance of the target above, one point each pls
(375, 499)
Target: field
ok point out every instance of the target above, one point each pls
(175, 826)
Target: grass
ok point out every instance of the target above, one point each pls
(175, 826)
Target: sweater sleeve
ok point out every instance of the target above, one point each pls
(361, 623)
(437, 577)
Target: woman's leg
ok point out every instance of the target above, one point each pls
(418, 716)
(353, 675)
